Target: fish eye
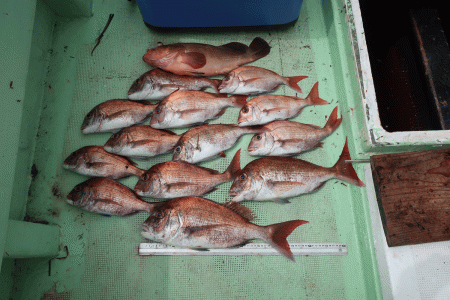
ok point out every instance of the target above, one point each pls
(158, 110)
(138, 80)
(178, 149)
(245, 110)
(116, 135)
(258, 137)
(89, 115)
(159, 215)
(75, 153)
(242, 177)
(77, 188)
(146, 177)
(226, 78)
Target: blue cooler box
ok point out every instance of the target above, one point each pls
(215, 13)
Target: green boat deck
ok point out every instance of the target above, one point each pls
(56, 81)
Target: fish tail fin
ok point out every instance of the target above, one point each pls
(238, 100)
(276, 235)
(235, 166)
(333, 122)
(313, 96)
(345, 171)
(292, 82)
(258, 48)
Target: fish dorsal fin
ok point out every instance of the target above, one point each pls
(168, 131)
(235, 46)
(241, 210)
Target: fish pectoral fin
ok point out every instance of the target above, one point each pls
(291, 141)
(169, 88)
(268, 110)
(186, 114)
(195, 231)
(251, 80)
(281, 187)
(235, 46)
(179, 185)
(195, 60)
(200, 249)
(117, 114)
(281, 201)
(97, 165)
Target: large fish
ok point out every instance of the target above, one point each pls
(185, 108)
(173, 179)
(251, 80)
(266, 108)
(107, 197)
(284, 138)
(95, 161)
(208, 141)
(113, 115)
(158, 84)
(279, 178)
(195, 59)
(141, 142)
(198, 223)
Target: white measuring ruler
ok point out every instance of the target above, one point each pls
(249, 249)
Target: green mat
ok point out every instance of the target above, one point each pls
(103, 260)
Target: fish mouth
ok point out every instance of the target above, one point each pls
(69, 199)
(68, 167)
(251, 149)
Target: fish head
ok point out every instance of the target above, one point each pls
(92, 122)
(161, 116)
(161, 56)
(183, 152)
(249, 115)
(81, 195)
(162, 225)
(244, 187)
(261, 144)
(149, 184)
(117, 142)
(229, 84)
(74, 160)
(142, 88)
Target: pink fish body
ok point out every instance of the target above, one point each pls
(250, 80)
(284, 138)
(279, 178)
(198, 223)
(195, 59)
(267, 108)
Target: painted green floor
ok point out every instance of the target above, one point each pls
(103, 261)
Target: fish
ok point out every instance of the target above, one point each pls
(113, 115)
(279, 178)
(194, 59)
(107, 197)
(200, 224)
(157, 84)
(267, 108)
(250, 80)
(95, 161)
(141, 142)
(284, 138)
(173, 179)
(187, 108)
(208, 141)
